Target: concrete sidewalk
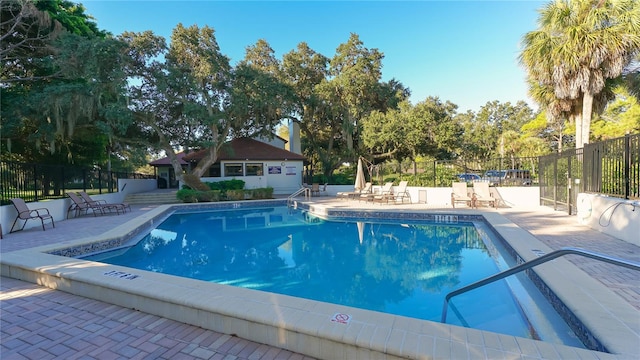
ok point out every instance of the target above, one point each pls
(40, 323)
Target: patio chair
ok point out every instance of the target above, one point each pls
(400, 194)
(482, 194)
(323, 190)
(116, 206)
(26, 214)
(315, 189)
(459, 194)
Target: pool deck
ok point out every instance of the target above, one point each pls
(38, 322)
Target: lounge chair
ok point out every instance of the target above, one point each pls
(482, 194)
(459, 194)
(116, 206)
(26, 214)
(383, 196)
(400, 193)
(353, 194)
(79, 206)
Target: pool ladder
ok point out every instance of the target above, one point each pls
(531, 263)
(303, 190)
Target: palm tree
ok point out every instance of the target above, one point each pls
(632, 77)
(579, 45)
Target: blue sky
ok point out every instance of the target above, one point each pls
(465, 52)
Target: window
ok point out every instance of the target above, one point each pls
(233, 169)
(214, 170)
(254, 169)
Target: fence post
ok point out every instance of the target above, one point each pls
(62, 180)
(555, 183)
(35, 182)
(569, 185)
(84, 180)
(627, 166)
(435, 165)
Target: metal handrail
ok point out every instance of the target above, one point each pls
(531, 263)
(304, 189)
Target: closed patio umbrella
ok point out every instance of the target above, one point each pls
(360, 225)
(360, 180)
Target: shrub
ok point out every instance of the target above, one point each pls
(210, 195)
(235, 194)
(262, 193)
(234, 184)
(231, 190)
(225, 185)
(391, 178)
(187, 195)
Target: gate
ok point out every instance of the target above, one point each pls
(561, 179)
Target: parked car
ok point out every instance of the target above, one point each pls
(468, 178)
(513, 177)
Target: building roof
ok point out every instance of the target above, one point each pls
(239, 149)
(167, 161)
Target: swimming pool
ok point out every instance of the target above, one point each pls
(402, 268)
(316, 328)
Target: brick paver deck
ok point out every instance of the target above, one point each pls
(40, 323)
(557, 230)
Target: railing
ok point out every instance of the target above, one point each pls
(439, 173)
(304, 189)
(34, 182)
(609, 167)
(531, 263)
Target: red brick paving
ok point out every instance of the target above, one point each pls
(40, 323)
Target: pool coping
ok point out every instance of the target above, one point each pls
(306, 326)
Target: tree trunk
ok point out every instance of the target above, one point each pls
(205, 163)
(587, 107)
(578, 137)
(175, 162)
(560, 140)
(168, 149)
(348, 131)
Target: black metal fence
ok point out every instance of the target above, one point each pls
(34, 182)
(442, 172)
(610, 167)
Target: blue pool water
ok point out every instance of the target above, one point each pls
(398, 268)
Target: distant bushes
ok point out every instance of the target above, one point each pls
(226, 190)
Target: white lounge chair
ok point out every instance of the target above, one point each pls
(482, 194)
(383, 196)
(459, 194)
(355, 193)
(400, 193)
